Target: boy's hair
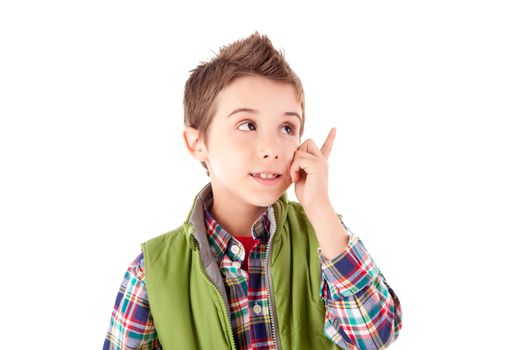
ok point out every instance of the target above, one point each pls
(254, 55)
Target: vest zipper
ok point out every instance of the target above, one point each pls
(273, 319)
(223, 305)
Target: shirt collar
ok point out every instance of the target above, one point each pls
(220, 240)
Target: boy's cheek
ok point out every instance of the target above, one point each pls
(288, 177)
(293, 155)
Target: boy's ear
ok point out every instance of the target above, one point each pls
(194, 144)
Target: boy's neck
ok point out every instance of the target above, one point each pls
(235, 217)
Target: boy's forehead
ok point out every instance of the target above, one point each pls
(258, 94)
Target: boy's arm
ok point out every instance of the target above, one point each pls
(362, 311)
(131, 325)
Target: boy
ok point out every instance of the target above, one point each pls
(249, 269)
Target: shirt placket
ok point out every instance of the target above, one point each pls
(237, 279)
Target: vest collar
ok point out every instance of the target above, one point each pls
(195, 221)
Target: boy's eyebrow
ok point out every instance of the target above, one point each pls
(250, 110)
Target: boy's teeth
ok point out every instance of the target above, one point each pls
(266, 176)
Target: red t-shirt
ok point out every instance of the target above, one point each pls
(248, 243)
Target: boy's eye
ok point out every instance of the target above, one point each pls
(291, 128)
(247, 123)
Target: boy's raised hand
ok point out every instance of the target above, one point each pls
(309, 172)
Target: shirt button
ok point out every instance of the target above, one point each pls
(235, 249)
(236, 264)
(257, 309)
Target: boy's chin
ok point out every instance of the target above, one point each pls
(264, 201)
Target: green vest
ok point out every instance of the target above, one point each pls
(188, 299)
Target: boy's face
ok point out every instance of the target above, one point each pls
(242, 142)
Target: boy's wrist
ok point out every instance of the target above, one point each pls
(317, 209)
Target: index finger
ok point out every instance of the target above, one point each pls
(328, 143)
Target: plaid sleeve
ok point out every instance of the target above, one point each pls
(131, 325)
(362, 311)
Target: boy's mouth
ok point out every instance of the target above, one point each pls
(266, 176)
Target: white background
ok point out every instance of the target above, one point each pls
(427, 167)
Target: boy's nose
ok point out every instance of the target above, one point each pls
(268, 147)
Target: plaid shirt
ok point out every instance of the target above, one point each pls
(362, 311)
